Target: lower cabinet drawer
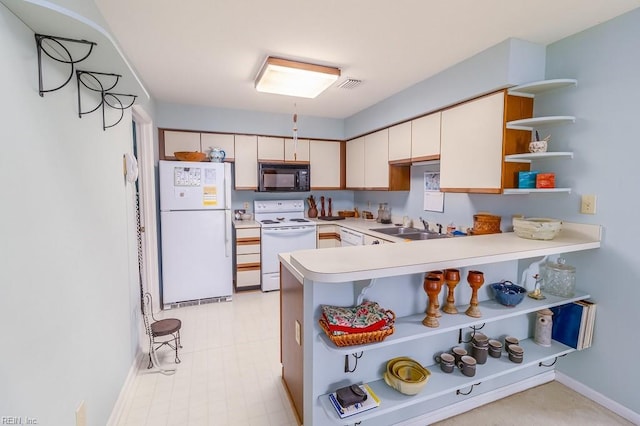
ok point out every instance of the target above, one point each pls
(242, 249)
(246, 278)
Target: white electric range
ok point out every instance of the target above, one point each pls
(284, 229)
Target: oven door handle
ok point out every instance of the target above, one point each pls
(288, 230)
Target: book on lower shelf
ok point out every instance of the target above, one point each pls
(371, 402)
(573, 323)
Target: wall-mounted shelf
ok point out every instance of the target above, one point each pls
(525, 191)
(531, 123)
(531, 156)
(440, 383)
(536, 87)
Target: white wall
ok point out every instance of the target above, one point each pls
(68, 247)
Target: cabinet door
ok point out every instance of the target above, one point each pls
(246, 162)
(270, 149)
(355, 163)
(324, 157)
(219, 140)
(425, 137)
(376, 160)
(327, 236)
(471, 146)
(180, 141)
(400, 142)
(301, 151)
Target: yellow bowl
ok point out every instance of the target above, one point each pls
(406, 388)
(409, 373)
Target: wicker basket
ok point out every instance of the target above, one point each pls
(190, 156)
(357, 338)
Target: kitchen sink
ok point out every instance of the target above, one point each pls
(423, 235)
(395, 230)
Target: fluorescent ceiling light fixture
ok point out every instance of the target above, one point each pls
(291, 78)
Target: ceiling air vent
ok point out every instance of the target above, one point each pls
(350, 83)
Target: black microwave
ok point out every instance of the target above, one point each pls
(279, 177)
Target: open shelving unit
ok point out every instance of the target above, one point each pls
(440, 383)
(410, 328)
(530, 90)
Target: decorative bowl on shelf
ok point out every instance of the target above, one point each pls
(406, 375)
(190, 156)
(538, 146)
(508, 293)
(536, 228)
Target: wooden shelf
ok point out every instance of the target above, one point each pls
(442, 383)
(531, 156)
(524, 191)
(530, 123)
(410, 328)
(536, 87)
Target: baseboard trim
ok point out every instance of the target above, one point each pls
(127, 387)
(597, 397)
(475, 402)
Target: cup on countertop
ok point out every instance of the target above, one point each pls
(447, 362)
(516, 354)
(495, 348)
(458, 352)
(510, 340)
(467, 365)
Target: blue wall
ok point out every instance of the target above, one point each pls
(605, 62)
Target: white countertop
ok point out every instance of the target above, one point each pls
(365, 226)
(239, 224)
(341, 264)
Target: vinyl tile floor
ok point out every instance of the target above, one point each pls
(230, 374)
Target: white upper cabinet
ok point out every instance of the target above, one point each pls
(425, 137)
(400, 142)
(376, 160)
(355, 163)
(301, 150)
(471, 146)
(246, 162)
(219, 140)
(325, 164)
(176, 141)
(270, 148)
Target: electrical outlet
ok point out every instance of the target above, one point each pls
(588, 204)
(81, 415)
(245, 205)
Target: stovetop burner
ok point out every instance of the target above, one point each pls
(298, 220)
(269, 221)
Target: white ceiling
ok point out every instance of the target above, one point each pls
(208, 52)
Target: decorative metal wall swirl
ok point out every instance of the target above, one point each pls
(99, 82)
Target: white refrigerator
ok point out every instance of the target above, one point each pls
(195, 227)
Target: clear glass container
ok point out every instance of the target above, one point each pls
(559, 279)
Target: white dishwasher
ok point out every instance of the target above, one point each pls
(350, 238)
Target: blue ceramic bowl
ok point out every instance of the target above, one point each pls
(508, 293)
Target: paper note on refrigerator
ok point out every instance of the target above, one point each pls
(209, 196)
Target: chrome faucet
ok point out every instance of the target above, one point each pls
(424, 223)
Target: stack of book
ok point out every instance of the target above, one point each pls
(573, 323)
(371, 402)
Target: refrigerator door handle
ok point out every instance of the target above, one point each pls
(227, 233)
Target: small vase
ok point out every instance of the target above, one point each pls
(452, 278)
(313, 212)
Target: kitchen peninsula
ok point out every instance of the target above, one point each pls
(392, 275)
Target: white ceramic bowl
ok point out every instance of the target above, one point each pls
(538, 146)
(536, 228)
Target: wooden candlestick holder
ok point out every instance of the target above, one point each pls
(451, 278)
(432, 286)
(440, 275)
(475, 280)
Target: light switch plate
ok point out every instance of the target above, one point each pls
(298, 333)
(81, 415)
